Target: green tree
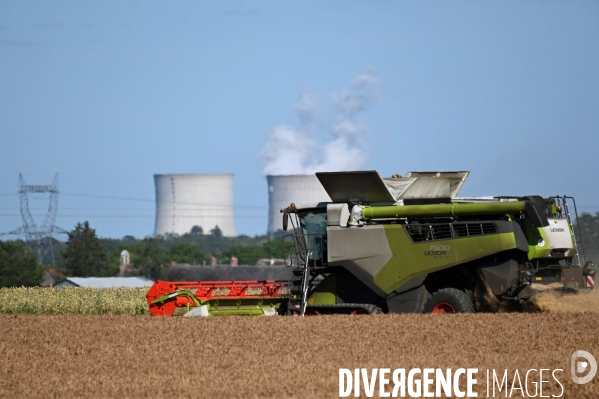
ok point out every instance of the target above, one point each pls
(150, 259)
(274, 249)
(250, 254)
(216, 232)
(183, 252)
(196, 230)
(85, 255)
(18, 265)
(589, 231)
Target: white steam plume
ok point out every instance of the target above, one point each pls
(302, 150)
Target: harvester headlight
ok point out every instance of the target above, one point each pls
(559, 208)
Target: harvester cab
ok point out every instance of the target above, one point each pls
(409, 244)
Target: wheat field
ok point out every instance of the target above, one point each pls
(273, 357)
(73, 300)
(86, 343)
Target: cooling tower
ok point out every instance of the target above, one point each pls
(283, 190)
(187, 200)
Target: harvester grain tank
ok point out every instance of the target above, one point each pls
(410, 244)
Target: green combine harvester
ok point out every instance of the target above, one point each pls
(410, 245)
(402, 245)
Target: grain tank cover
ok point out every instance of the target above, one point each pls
(362, 186)
(369, 187)
(456, 180)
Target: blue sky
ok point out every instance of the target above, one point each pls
(106, 94)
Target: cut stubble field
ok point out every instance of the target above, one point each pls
(275, 357)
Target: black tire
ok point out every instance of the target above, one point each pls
(449, 300)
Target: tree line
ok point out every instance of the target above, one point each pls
(589, 235)
(84, 254)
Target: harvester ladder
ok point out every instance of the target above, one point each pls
(567, 211)
(308, 257)
(305, 284)
(300, 283)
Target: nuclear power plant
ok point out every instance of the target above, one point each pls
(285, 189)
(187, 200)
(206, 200)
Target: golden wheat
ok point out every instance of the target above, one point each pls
(80, 356)
(76, 300)
(555, 301)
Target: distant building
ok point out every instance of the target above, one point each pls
(51, 277)
(125, 259)
(125, 263)
(106, 282)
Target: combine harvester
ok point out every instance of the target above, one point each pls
(401, 245)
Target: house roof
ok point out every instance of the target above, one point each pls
(55, 274)
(110, 282)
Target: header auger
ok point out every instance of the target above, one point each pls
(403, 244)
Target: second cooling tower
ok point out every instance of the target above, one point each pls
(187, 200)
(283, 190)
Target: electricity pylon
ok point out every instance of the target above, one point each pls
(39, 238)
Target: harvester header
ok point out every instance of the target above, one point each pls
(242, 297)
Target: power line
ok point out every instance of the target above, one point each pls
(153, 201)
(135, 216)
(141, 209)
(107, 197)
(177, 203)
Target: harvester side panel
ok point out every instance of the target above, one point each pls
(537, 240)
(386, 256)
(414, 259)
(560, 239)
(500, 272)
(362, 251)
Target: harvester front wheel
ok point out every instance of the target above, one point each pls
(449, 300)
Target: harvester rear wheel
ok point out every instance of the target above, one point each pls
(443, 307)
(449, 300)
